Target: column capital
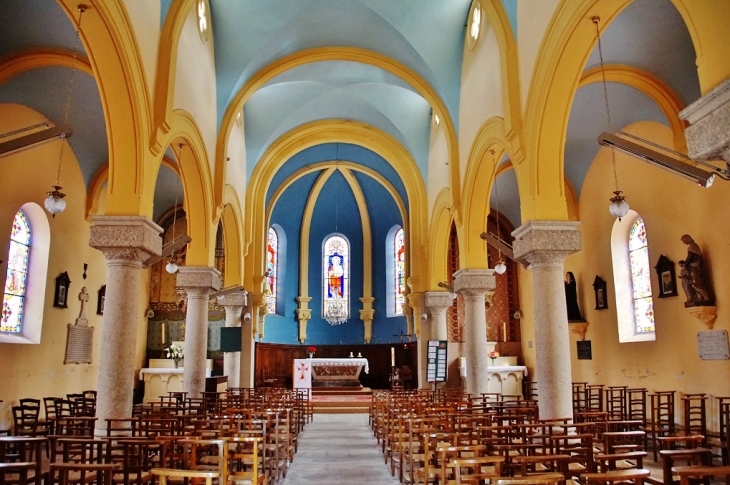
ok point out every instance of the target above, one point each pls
(234, 301)
(474, 282)
(126, 238)
(437, 301)
(198, 280)
(708, 136)
(546, 243)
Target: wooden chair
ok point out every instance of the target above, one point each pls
(25, 449)
(446, 455)
(72, 473)
(615, 401)
(16, 473)
(543, 479)
(472, 470)
(635, 476)
(166, 473)
(686, 473)
(620, 461)
(661, 422)
(245, 464)
(695, 415)
(26, 421)
(139, 458)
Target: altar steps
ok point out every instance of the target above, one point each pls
(341, 401)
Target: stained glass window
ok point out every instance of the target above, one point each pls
(336, 278)
(399, 270)
(640, 280)
(272, 266)
(16, 276)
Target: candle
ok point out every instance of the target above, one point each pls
(392, 356)
(162, 331)
(504, 331)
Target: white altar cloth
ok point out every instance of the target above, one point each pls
(341, 362)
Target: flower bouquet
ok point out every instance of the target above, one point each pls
(174, 352)
(493, 354)
(311, 351)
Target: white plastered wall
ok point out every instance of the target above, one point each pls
(145, 19)
(236, 164)
(533, 18)
(195, 82)
(438, 166)
(481, 90)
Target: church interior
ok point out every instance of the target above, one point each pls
(251, 179)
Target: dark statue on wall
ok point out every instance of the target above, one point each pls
(571, 298)
(693, 273)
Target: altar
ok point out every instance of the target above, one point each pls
(506, 379)
(329, 373)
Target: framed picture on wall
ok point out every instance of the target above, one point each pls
(100, 302)
(599, 287)
(667, 278)
(60, 296)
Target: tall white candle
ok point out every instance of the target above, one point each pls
(392, 356)
(504, 331)
(162, 332)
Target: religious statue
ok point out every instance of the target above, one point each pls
(693, 275)
(571, 298)
(335, 273)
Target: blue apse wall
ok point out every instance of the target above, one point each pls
(288, 213)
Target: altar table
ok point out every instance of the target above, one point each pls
(310, 373)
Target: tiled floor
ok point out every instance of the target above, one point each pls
(338, 449)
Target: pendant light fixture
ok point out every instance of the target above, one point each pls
(619, 207)
(500, 267)
(171, 266)
(54, 203)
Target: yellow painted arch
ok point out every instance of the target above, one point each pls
(306, 228)
(339, 54)
(37, 58)
(334, 131)
(114, 56)
(232, 221)
(647, 83)
(441, 221)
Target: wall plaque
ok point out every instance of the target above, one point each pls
(79, 345)
(713, 345)
(584, 350)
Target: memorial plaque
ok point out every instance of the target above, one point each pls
(713, 345)
(79, 344)
(584, 350)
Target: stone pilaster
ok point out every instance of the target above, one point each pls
(304, 314)
(234, 305)
(126, 242)
(708, 136)
(415, 301)
(367, 313)
(545, 245)
(473, 285)
(198, 283)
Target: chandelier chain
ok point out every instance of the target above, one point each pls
(67, 110)
(596, 21)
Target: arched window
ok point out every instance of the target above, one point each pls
(17, 275)
(336, 279)
(272, 266)
(640, 281)
(395, 271)
(631, 276)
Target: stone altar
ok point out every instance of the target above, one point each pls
(336, 372)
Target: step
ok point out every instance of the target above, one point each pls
(342, 410)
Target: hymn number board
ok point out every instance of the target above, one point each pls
(436, 369)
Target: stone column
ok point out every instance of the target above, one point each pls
(545, 245)
(126, 242)
(437, 303)
(708, 136)
(473, 285)
(198, 283)
(247, 349)
(233, 304)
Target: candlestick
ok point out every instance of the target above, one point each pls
(162, 331)
(392, 356)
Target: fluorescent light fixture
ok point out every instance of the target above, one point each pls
(690, 171)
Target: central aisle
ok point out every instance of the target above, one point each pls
(338, 448)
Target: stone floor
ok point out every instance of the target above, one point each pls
(338, 449)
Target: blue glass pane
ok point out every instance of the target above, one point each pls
(272, 266)
(336, 273)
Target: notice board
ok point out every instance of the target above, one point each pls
(436, 368)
